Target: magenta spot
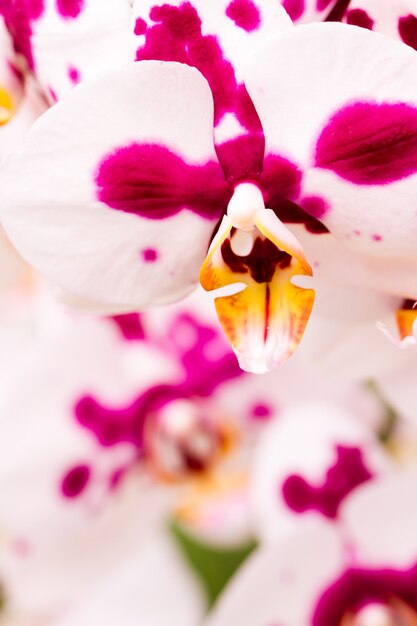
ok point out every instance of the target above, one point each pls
(130, 326)
(177, 36)
(207, 364)
(315, 206)
(323, 4)
(261, 412)
(74, 74)
(358, 587)
(153, 182)
(407, 28)
(346, 474)
(359, 17)
(70, 9)
(377, 237)
(150, 255)
(244, 13)
(370, 144)
(140, 26)
(75, 481)
(35, 8)
(294, 8)
(357, 232)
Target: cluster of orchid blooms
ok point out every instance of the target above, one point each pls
(266, 149)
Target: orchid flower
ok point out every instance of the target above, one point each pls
(361, 572)
(115, 433)
(114, 213)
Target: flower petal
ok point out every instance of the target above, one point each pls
(356, 145)
(151, 586)
(215, 37)
(66, 41)
(312, 474)
(381, 518)
(139, 245)
(265, 321)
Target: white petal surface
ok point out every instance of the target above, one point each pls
(152, 586)
(381, 519)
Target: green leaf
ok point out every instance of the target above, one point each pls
(214, 566)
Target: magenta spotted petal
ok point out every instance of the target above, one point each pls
(396, 19)
(129, 146)
(355, 143)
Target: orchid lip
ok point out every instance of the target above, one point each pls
(265, 320)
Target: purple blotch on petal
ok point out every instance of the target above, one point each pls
(70, 9)
(150, 255)
(207, 363)
(407, 28)
(357, 587)
(74, 74)
(294, 8)
(261, 412)
(323, 4)
(315, 206)
(130, 326)
(346, 474)
(370, 144)
(359, 17)
(244, 13)
(153, 182)
(75, 481)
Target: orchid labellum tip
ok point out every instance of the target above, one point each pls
(265, 321)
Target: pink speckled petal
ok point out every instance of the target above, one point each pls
(303, 11)
(333, 440)
(77, 154)
(42, 573)
(66, 41)
(288, 577)
(216, 37)
(395, 19)
(339, 137)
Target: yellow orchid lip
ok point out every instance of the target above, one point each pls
(6, 106)
(265, 321)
